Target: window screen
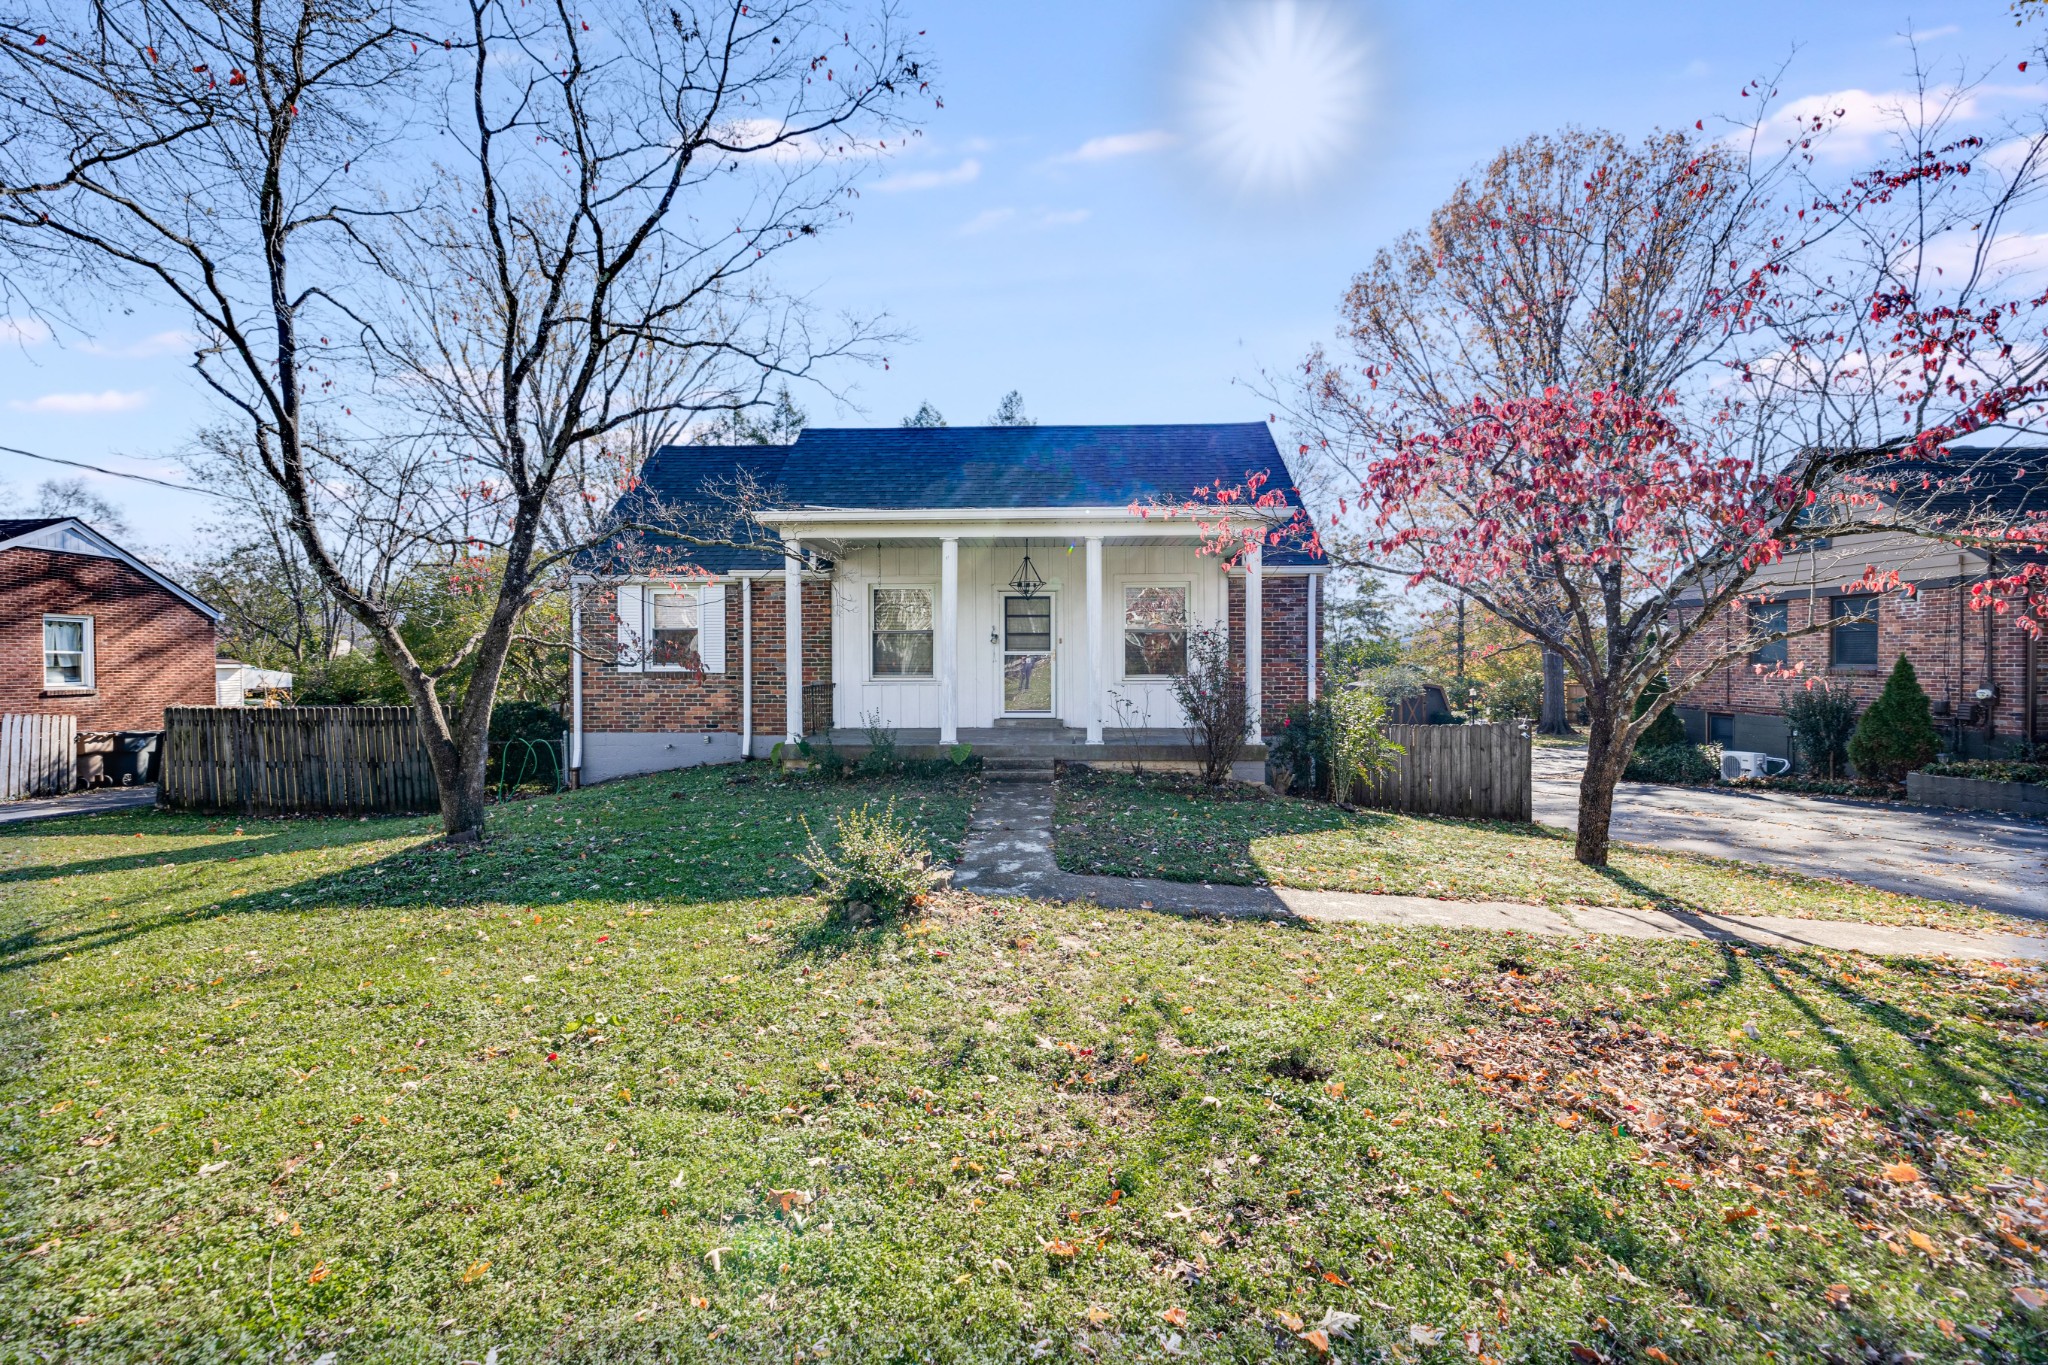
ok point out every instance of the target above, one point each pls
(1765, 620)
(1853, 632)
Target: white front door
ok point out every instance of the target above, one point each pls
(1027, 633)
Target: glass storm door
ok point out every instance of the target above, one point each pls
(1027, 656)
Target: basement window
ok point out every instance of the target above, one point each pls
(67, 653)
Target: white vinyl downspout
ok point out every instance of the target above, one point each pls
(746, 668)
(1313, 579)
(576, 679)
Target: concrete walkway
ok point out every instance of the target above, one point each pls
(98, 801)
(1995, 861)
(1009, 853)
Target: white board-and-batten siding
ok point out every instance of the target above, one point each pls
(985, 572)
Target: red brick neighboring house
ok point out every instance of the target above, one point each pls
(89, 630)
(905, 549)
(1982, 674)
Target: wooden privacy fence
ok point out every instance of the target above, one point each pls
(289, 760)
(1480, 772)
(38, 756)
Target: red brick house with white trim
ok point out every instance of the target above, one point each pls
(89, 630)
(1982, 674)
(896, 603)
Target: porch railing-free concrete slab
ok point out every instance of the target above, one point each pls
(1048, 741)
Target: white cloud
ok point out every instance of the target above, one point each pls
(155, 344)
(1038, 219)
(1114, 145)
(986, 219)
(80, 404)
(964, 173)
(1927, 35)
(23, 332)
(1859, 125)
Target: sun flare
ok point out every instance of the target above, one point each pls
(1277, 94)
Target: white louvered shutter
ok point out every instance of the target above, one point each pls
(632, 628)
(711, 627)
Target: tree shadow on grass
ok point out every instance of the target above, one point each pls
(1784, 968)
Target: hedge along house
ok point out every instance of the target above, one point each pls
(1982, 676)
(1012, 588)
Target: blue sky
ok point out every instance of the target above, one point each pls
(1082, 221)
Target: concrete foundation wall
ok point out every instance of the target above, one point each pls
(607, 756)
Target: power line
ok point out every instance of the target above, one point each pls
(113, 473)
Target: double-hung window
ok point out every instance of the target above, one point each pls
(902, 632)
(1853, 632)
(673, 629)
(1768, 619)
(67, 653)
(1155, 630)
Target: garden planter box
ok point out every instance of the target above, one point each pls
(1976, 793)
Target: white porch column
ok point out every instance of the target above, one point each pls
(1094, 711)
(793, 642)
(947, 665)
(1255, 636)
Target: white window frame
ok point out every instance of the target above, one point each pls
(1187, 624)
(647, 595)
(867, 642)
(87, 680)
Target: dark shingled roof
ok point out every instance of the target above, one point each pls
(10, 527)
(903, 468)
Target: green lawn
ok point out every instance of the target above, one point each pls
(1156, 826)
(612, 1089)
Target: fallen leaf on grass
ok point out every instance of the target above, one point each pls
(1424, 1335)
(1921, 1240)
(1288, 1320)
(1737, 1215)
(1901, 1173)
(1061, 1250)
(319, 1273)
(1178, 1317)
(214, 1167)
(1318, 1339)
(476, 1271)
(2033, 1300)
(1096, 1314)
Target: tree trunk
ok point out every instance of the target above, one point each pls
(1553, 721)
(462, 793)
(1605, 758)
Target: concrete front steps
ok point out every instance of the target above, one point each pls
(1019, 768)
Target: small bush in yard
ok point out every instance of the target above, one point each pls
(880, 864)
(1822, 718)
(1896, 735)
(1684, 763)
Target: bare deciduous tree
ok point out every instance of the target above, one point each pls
(477, 245)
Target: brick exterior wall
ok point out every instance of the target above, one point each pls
(1284, 649)
(1953, 649)
(151, 649)
(710, 703)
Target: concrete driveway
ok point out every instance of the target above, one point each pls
(1998, 862)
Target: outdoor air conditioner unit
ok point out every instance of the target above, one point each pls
(1737, 764)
